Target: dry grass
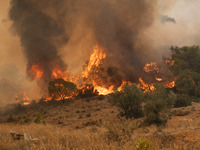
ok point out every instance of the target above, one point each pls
(51, 137)
(182, 132)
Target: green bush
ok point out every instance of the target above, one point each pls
(39, 118)
(143, 144)
(183, 101)
(11, 119)
(27, 120)
(158, 106)
(129, 101)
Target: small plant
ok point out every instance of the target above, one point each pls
(27, 120)
(119, 131)
(129, 101)
(157, 108)
(39, 118)
(11, 119)
(143, 144)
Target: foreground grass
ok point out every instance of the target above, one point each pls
(51, 137)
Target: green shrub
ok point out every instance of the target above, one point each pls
(143, 144)
(11, 119)
(39, 118)
(129, 101)
(158, 106)
(27, 120)
(183, 101)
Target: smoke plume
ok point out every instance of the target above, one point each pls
(46, 26)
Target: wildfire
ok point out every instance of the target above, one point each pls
(152, 66)
(95, 60)
(170, 84)
(23, 98)
(57, 73)
(102, 90)
(145, 87)
(171, 62)
(36, 72)
(92, 85)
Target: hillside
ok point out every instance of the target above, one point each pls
(92, 123)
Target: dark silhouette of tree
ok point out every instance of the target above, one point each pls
(61, 89)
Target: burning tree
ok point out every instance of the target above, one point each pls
(59, 89)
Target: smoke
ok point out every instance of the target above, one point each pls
(62, 33)
(45, 27)
(165, 19)
(40, 33)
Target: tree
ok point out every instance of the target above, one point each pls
(60, 89)
(186, 69)
(129, 101)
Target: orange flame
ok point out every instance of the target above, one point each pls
(145, 87)
(23, 99)
(152, 66)
(170, 84)
(171, 62)
(36, 72)
(57, 73)
(95, 60)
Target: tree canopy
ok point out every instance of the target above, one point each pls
(186, 69)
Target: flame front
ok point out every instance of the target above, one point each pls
(95, 60)
(145, 87)
(150, 67)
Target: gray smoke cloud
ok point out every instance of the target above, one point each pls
(165, 19)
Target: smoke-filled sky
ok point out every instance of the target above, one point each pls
(64, 32)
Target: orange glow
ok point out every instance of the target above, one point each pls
(152, 66)
(23, 98)
(94, 61)
(102, 90)
(171, 62)
(146, 87)
(123, 83)
(36, 72)
(57, 73)
(159, 79)
(170, 84)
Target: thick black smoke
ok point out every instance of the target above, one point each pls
(40, 33)
(117, 26)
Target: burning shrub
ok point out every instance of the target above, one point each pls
(87, 90)
(158, 106)
(129, 100)
(60, 89)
